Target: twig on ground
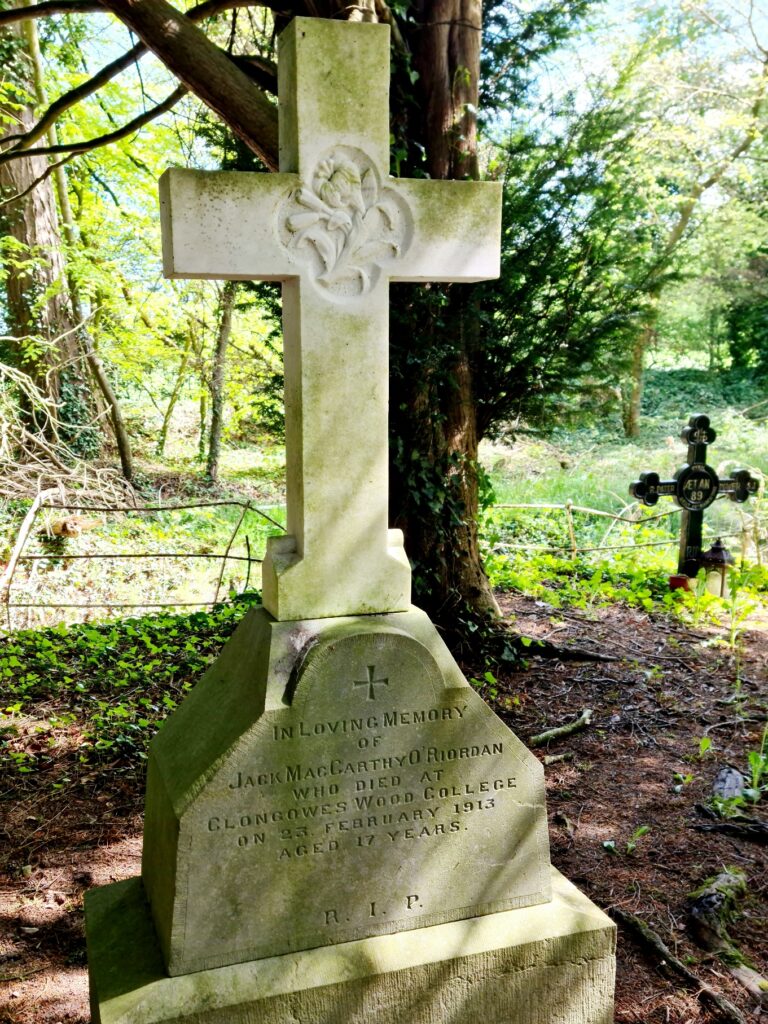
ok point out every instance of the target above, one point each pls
(584, 719)
(752, 831)
(558, 758)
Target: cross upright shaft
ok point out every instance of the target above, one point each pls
(334, 228)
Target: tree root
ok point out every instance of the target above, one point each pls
(712, 907)
(648, 937)
(559, 731)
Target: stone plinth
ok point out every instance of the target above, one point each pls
(330, 780)
(540, 965)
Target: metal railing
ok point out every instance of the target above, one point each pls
(749, 533)
(42, 503)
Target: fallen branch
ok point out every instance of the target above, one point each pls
(21, 540)
(545, 649)
(712, 908)
(751, 831)
(558, 758)
(648, 937)
(584, 719)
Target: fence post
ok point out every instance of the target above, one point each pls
(18, 547)
(571, 530)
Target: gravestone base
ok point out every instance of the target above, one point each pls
(549, 964)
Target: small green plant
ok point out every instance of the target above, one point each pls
(699, 596)
(739, 607)
(757, 761)
(631, 845)
(680, 781)
(113, 683)
(489, 684)
(758, 769)
(705, 745)
(637, 834)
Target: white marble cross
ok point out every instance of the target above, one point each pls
(335, 229)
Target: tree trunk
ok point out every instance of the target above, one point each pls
(228, 293)
(634, 399)
(201, 437)
(38, 309)
(447, 58)
(434, 479)
(92, 359)
(177, 386)
(433, 412)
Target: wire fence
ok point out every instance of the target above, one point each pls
(43, 504)
(751, 534)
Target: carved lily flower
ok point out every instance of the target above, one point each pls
(299, 221)
(338, 184)
(340, 220)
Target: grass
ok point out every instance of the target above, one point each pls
(195, 536)
(591, 466)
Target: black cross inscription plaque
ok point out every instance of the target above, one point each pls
(694, 487)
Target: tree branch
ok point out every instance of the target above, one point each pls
(207, 9)
(205, 70)
(30, 188)
(49, 7)
(742, 146)
(43, 10)
(69, 99)
(87, 145)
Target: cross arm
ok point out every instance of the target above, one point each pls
(740, 486)
(456, 230)
(222, 225)
(649, 488)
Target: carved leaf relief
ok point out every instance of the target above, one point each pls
(346, 224)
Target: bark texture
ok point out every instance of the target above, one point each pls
(38, 306)
(435, 482)
(447, 57)
(228, 293)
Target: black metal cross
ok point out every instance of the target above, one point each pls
(694, 487)
(371, 682)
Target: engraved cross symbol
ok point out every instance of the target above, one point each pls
(371, 682)
(335, 229)
(694, 487)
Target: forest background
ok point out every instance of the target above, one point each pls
(630, 139)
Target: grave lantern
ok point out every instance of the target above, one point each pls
(716, 562)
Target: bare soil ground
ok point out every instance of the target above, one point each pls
(668, 687)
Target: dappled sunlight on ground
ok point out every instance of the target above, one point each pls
(623, 818)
